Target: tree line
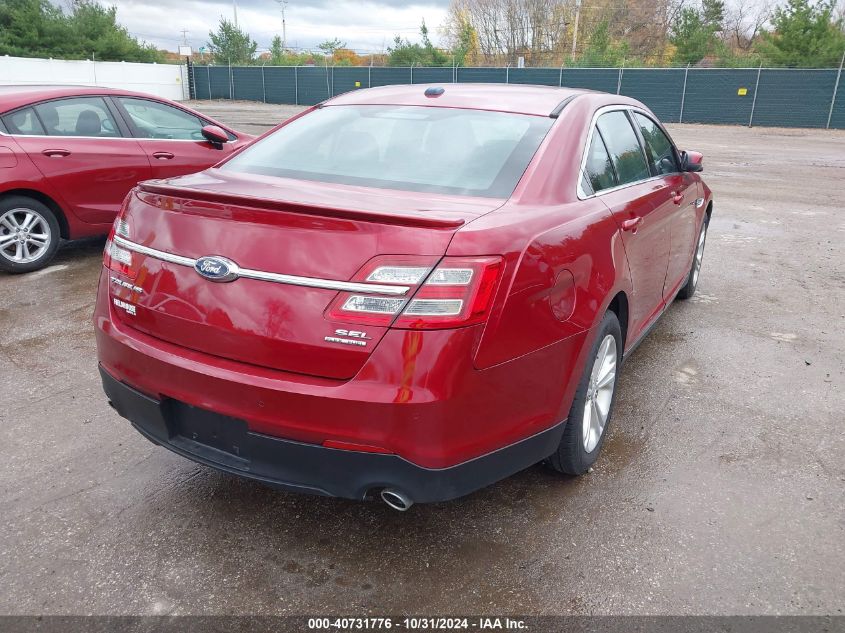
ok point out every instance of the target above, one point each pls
(589, 33)
(586, 33)
(38, 28)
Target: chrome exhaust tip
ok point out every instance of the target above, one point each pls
(396, 500)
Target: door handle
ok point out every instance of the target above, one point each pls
(677, 197)
(632, 224)
(162, 155)
(56, 153)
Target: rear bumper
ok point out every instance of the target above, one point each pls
(228, 445)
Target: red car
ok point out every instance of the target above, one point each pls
(406, 291)
(69, 156)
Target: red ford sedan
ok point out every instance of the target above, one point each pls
(407, 292)
(69, 156)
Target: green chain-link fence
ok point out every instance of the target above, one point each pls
(739, 96)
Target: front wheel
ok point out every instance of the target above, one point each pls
(592, 406)
(695, 270)
(29, 234)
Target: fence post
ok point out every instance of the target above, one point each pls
(507, 74)
(231, 83)
(754, 100)
(263, 83)
(619, 81)
(683, 95)
(835, 90)
(296, 85)
(412, 72)
(370, 75)
(208, 72)
(560, 77)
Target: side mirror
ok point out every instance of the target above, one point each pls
(691, 161)
(215, 135)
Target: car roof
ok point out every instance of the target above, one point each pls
(519, 98)
(12, 96)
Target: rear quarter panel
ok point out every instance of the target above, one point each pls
(564, 259)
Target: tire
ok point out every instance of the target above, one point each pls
(695, 269)
(578, 450)
(29, 234)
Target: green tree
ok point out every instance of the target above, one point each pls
(434, 56)
(692, 37)
(713, 14)
(37, 28)
(465, 40)
(804, 34)
(94, 30)
(230, 45)
(330, 46)
(277, 52)
(601, 50)
(404, 53)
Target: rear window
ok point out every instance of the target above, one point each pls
(439, 150)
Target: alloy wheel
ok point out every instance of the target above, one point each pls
(699, 255)
(600, 393)
(24, 235)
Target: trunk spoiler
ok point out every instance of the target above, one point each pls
(175, 191)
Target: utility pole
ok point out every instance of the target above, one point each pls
(283, 4)
(575, 26)
(235, 9)
(184, 37)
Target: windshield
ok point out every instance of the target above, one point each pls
(439, 150)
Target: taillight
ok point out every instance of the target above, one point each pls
(456, 293)
(459, 292)
(115, 257)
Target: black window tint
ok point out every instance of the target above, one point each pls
(158, 120)
(624, 147)
(80, 116)
(598, 167)
(23, 122)
(659, 147)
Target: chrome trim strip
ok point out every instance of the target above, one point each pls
(260, 275)
(152, 252)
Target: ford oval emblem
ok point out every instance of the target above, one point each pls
(216, 268)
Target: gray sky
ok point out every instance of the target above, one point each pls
(363, 25)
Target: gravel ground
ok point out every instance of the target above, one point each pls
(721, 489)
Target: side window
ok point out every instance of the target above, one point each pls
(158, 120)
(598, 168)
(23, 122)
(624, 147)
(659, 147)
(80, 116)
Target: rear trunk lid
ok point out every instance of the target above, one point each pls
(289, 228)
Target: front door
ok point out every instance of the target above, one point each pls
(171, 137)
(676, 196)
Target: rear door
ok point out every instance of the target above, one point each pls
(171, 137)
(618, 172)
(83, 149)
(676, 196)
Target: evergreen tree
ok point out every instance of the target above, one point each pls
(230, 45)
(804, 35)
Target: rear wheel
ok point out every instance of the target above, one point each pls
(29, 234)
(592, 406)
(695, 270)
